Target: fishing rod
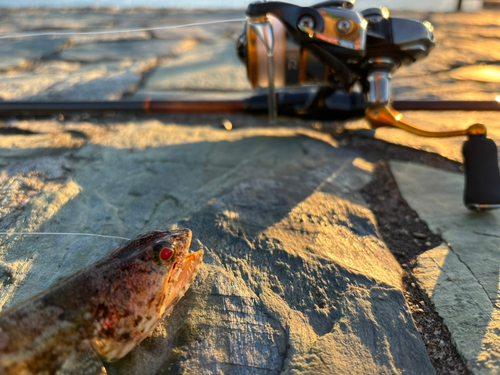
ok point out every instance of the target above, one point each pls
(330, 62)
(345, 106)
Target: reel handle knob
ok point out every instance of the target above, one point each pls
(482, 175)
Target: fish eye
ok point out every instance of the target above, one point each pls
(164, 252)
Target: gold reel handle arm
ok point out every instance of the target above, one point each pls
(380, 116)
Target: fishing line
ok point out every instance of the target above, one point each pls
(63, 234)
(120, 31)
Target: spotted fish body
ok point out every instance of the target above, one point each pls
(102, 312)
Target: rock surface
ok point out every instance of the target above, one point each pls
(116, 51)
(15, 53)
(212, 66)
(461, 277)
(109, 66)
(462, 41)
(295, 279)
(63, 80)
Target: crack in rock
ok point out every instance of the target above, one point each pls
(493, 304)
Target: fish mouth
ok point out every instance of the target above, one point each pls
(186, 271)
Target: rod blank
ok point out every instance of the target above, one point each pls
(29, 108)
(446, 105)
(146, 106)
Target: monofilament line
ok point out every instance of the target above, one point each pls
(120, 31)
(62, 234)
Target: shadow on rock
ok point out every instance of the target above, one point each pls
(292, 254)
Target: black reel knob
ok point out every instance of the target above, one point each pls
(482, 176)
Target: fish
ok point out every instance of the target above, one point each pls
(101, 313)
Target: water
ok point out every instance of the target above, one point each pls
(421, 5)
(360, 4)
(137, 3)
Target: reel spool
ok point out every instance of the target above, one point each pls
(294, 65)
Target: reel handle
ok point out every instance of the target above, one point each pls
(482, 175)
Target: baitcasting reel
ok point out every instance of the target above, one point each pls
(336, 62)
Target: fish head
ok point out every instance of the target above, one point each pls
(151, 274)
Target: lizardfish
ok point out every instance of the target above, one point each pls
(102, 312)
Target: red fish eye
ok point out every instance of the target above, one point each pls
(166, 254)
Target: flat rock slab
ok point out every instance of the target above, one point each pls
(210, 66)
(122, 50)
(105, 38)
(213, 32)
(462, 42)
(62, 80)
(295, 277)
(452, 85)
(16, 52)
(461, 277)
(30, 19)
(481, 73)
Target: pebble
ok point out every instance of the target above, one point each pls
(227, 124)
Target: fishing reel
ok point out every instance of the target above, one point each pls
(330, 61)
